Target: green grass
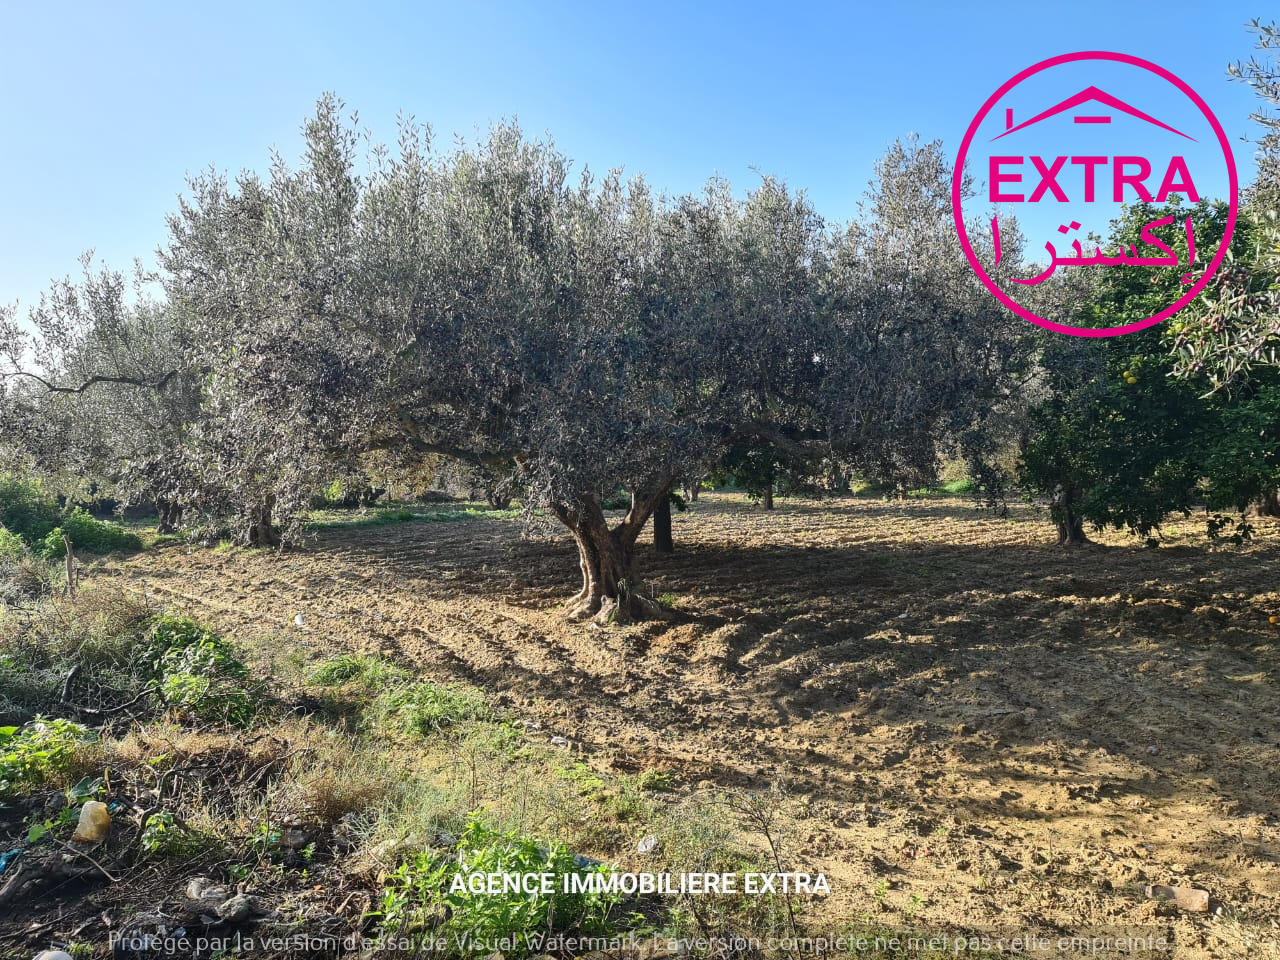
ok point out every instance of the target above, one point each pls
(339, 518)
(372, 673)
(952, 488)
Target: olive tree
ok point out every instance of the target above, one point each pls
(487, 305)
(99, 400)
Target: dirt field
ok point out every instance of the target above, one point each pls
(987, 731)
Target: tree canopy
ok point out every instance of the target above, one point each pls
(489, 305)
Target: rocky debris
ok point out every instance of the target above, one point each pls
(647, 845)
(202, 888)
(293, 838)
(1192, 899)
(144, 931)
(55, 804)
(212, 902)
(204, 897)
(241, 908)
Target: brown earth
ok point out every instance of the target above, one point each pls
(986, 731)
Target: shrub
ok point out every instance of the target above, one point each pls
(100, 632)
(420, 893)
(88, 534)
(25, 509)
(199, 671)
(36, 753)
(619, 500)
(12, 547)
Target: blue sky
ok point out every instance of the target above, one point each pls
(109, 106)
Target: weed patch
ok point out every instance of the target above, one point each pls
(38, 752)
(429, 892)
(199, 672)
(425, 708)
(372, 673)
(339, 519)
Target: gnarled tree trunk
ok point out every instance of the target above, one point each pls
(1268, 505)
(1069, 523)
(262, 533)
(170, 515)
(612, 591)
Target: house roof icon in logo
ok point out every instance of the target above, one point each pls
(1084, 96)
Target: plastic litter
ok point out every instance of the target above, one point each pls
(94, 823)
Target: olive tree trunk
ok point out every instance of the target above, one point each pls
(1065, 517)
(612, 591)
(1268, 504)
(262, 532)
(170, 515)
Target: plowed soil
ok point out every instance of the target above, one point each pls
(987, 731)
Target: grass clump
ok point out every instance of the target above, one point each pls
(469, 513)
(952, 488)
(389, 516)
(372, 673)
(87, 534)
(164, 835)
(425, 708)
(120, 654)
(428, 894)
(335, 519)
(40, 751)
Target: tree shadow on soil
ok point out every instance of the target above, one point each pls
(1157, 656)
